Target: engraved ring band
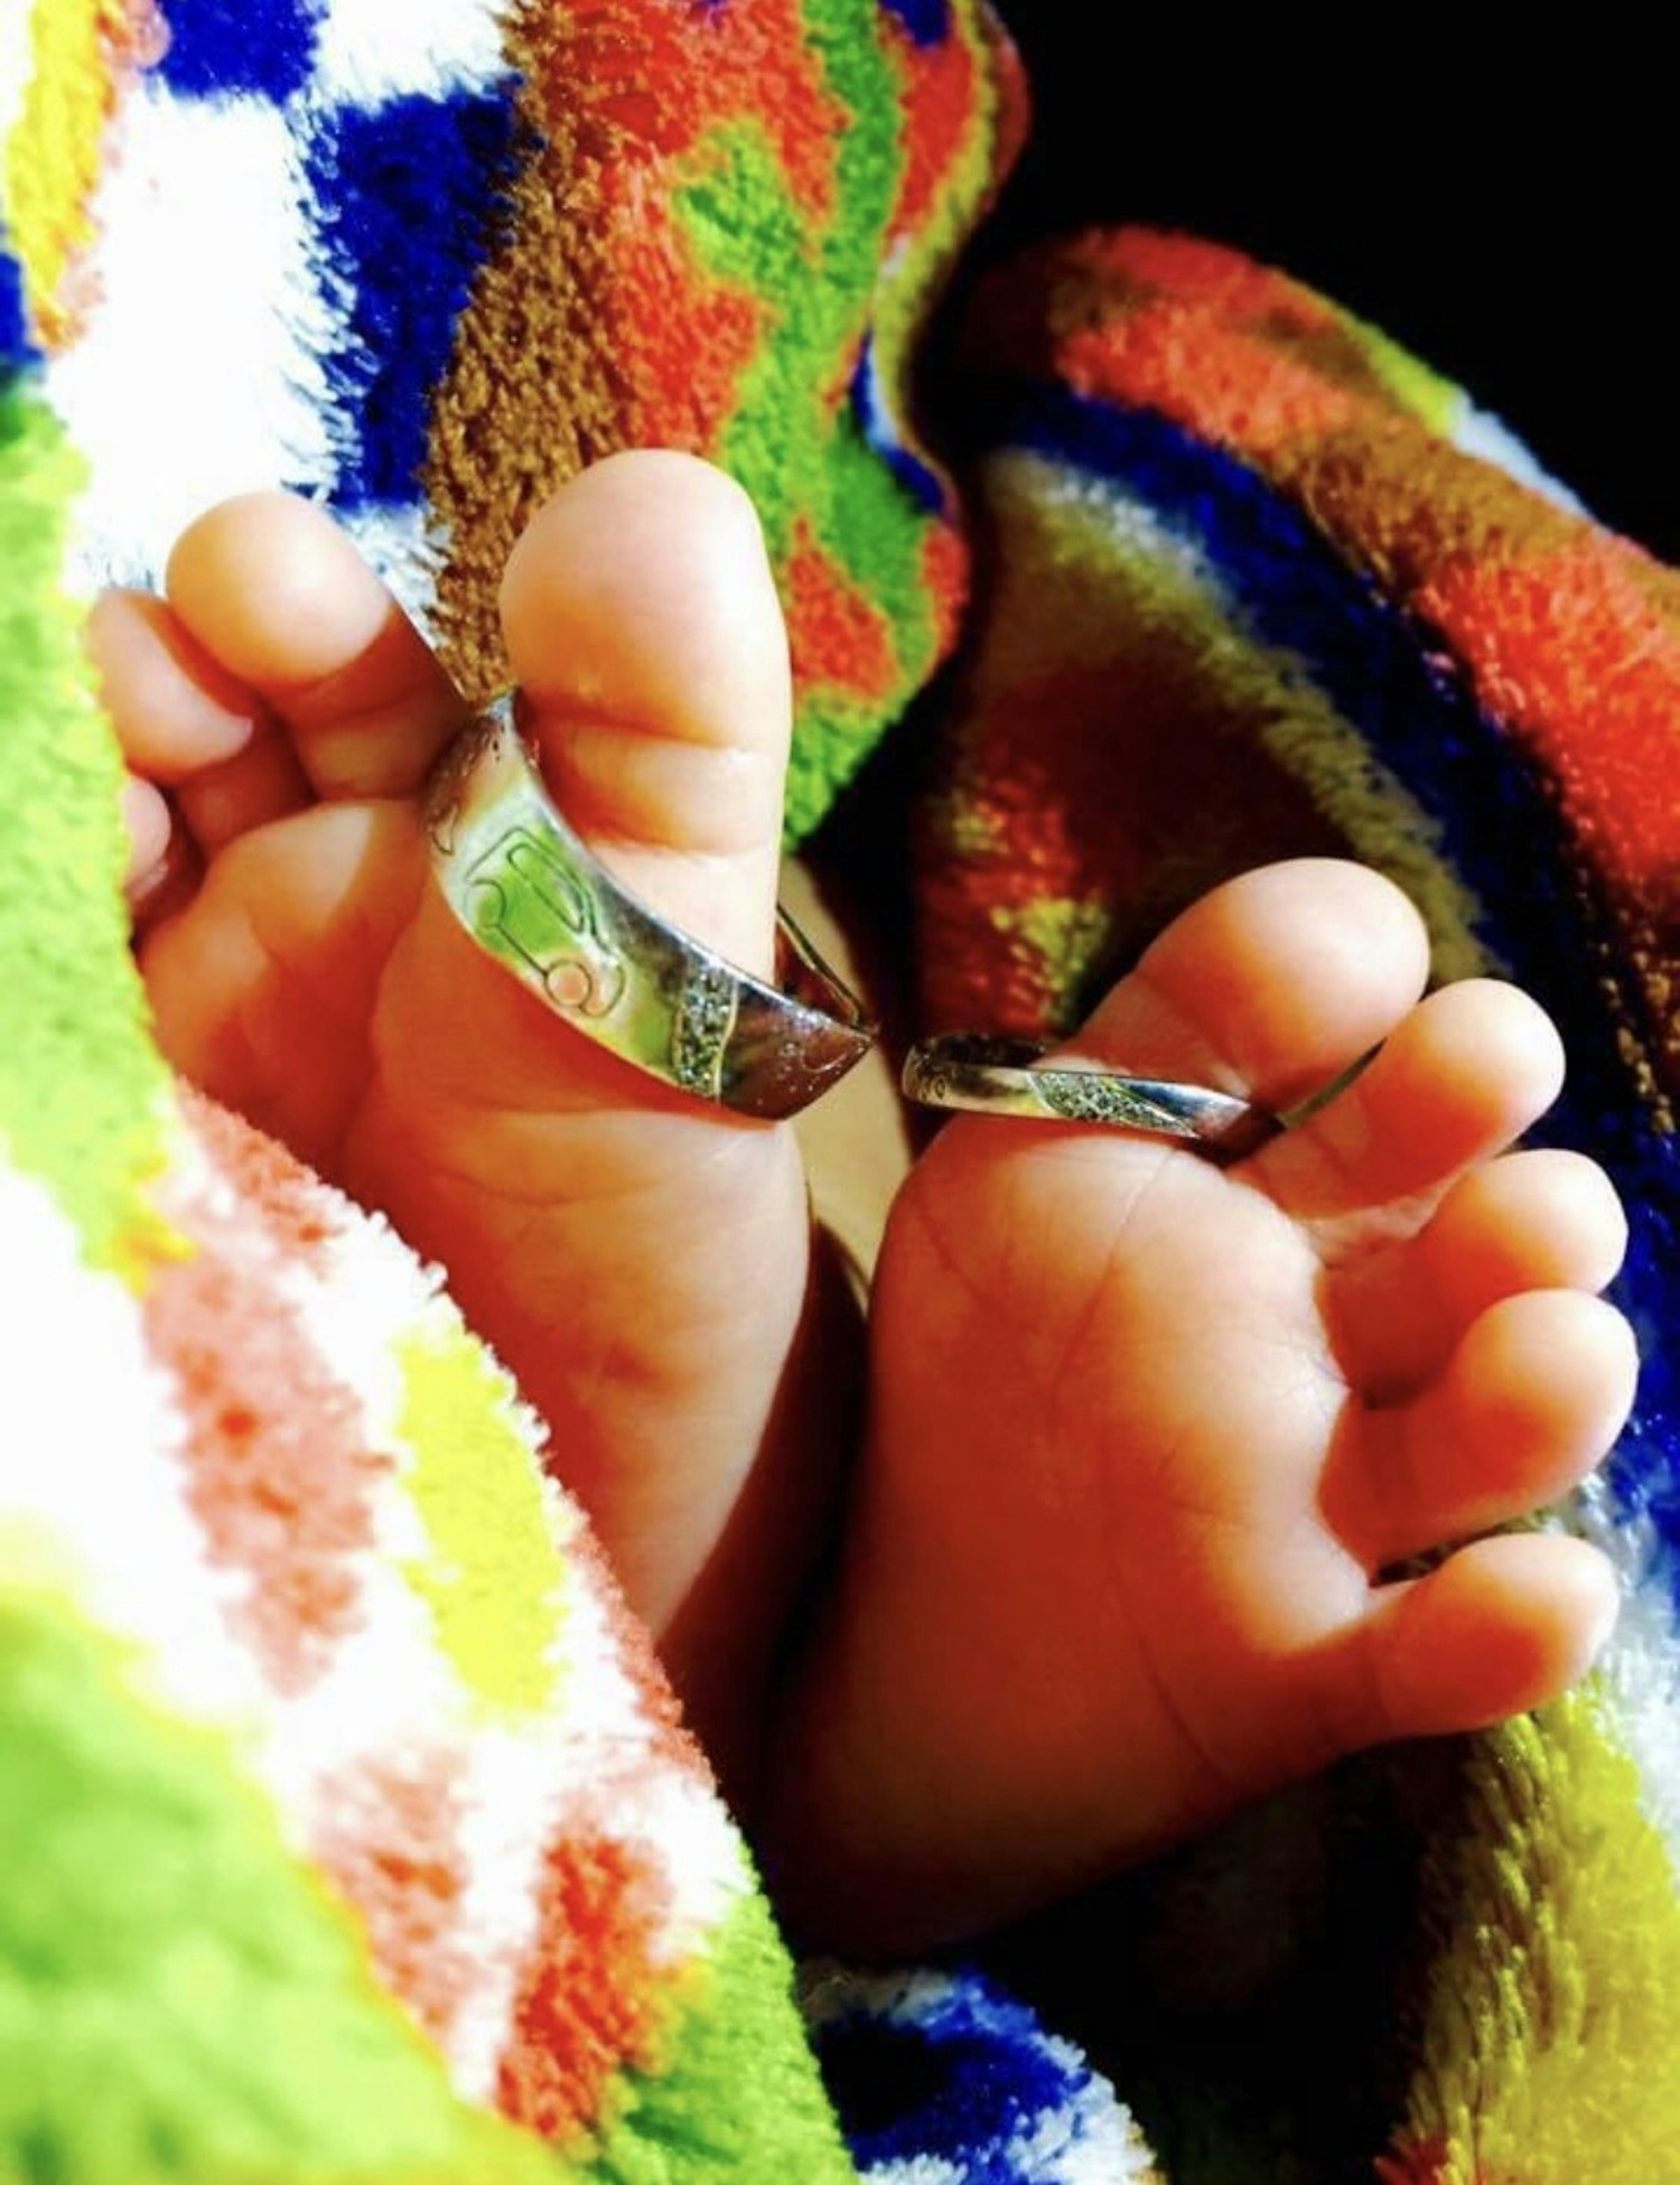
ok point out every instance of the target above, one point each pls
(1002, 1076)
(534, 898)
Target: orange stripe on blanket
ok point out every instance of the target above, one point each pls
(592, 328)
(1404, 503)
(279, 1474)
(1233, 351)
(945, 579)
(681, 341)
(1558, 640)
(1153, 259)
(1570, 637)
(392, 1849)
(1187, 363)
(296, 1209)
(588, 2005)
(837, 635)
(941, 90)
(662, 78)
(1105, 278)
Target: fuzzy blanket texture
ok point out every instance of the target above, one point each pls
(348, 1832)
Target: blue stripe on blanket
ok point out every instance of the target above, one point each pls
(926, 21)
(939, 2067)
(880, 432)
(261, 47)
(16, 349)
(1420, 720)
(405, 212)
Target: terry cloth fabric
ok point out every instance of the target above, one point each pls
(713, 227)
(1307, 598)
(349, 1831)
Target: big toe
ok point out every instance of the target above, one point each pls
(646, 637)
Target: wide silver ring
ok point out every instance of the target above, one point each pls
(1001, 1076)
(534, 898)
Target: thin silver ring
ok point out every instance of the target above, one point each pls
(1001, 1076)
(538, 901)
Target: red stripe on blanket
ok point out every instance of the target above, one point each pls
(1423, 2165)
(1172, 794)
(1571, 639)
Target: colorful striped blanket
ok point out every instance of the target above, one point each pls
(348, 1829)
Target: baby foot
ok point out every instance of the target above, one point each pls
(1151, 1439)
(639, 1261)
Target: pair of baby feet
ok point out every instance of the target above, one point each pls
(1145, 1438)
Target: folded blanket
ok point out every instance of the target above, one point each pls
(350, 1833)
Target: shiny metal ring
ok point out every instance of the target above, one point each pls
(532, 896)
(999, 1076)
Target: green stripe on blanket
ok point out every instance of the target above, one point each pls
(80, 1094)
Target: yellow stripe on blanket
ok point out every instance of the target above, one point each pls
(493, 1577)
(53, 155)
(1549, 2056)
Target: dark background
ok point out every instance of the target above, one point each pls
(1507, 213)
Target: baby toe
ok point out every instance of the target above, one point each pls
(1499, 1628)
(1545, 1219)
(175, 709)
(1464, 1074)
(273, 592)
(1532, 1398)
(1542, 1219)
(163, 868)
(183, 719)
(146, 817)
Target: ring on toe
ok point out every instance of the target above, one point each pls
(532, 896)
(999, 1076)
